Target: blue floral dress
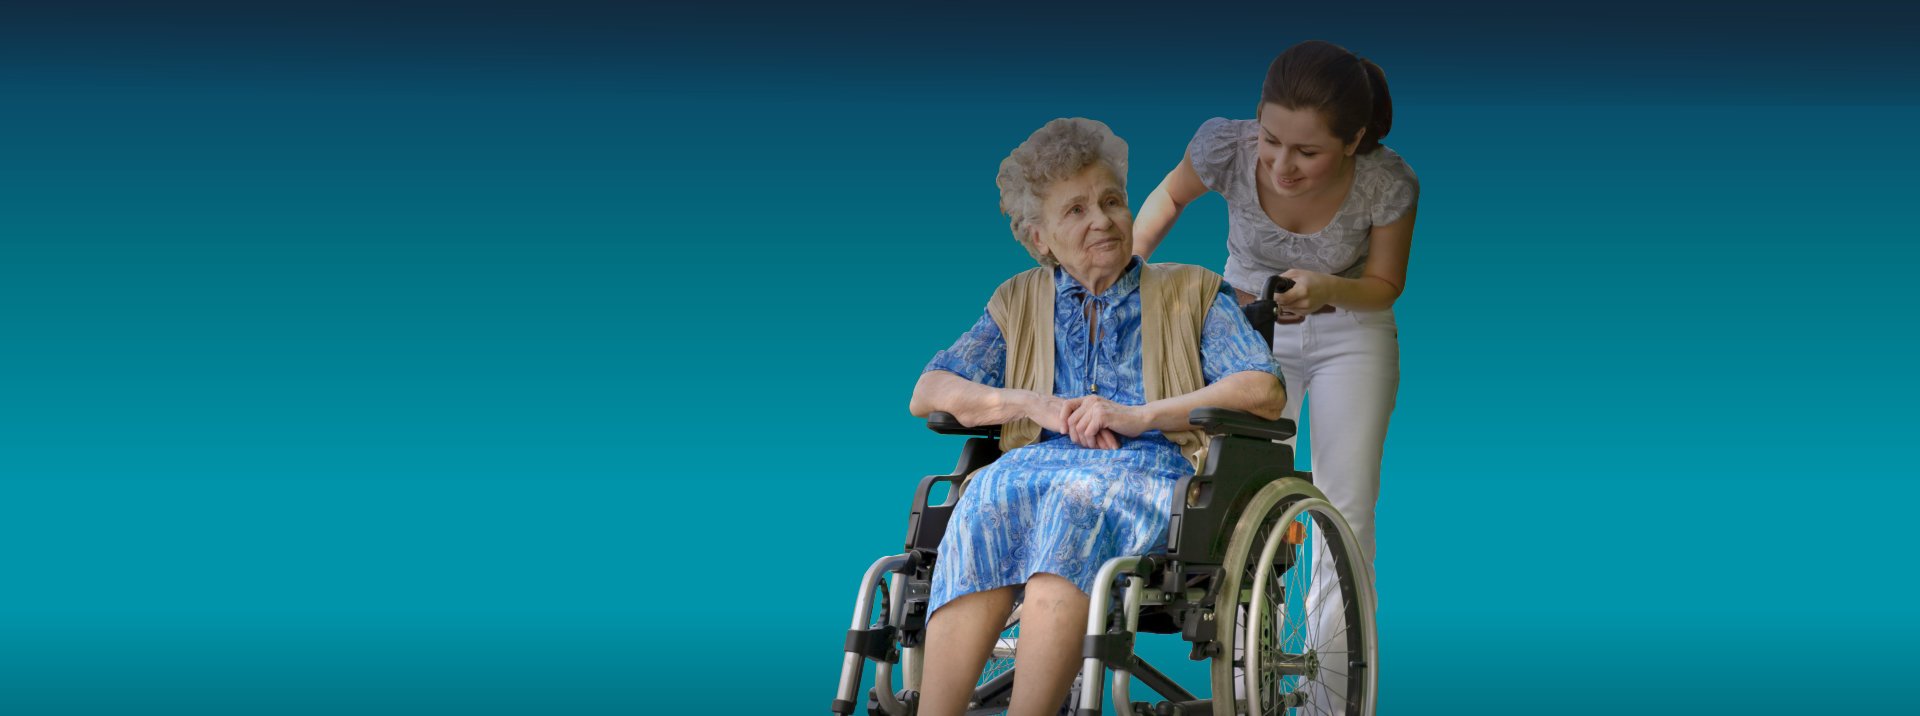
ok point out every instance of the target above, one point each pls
(1054, 506)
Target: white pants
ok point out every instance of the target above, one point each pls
(1349, 363)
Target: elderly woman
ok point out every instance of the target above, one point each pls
(1091, 363)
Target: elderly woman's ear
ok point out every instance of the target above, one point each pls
(1040, 250)
(1027, 234)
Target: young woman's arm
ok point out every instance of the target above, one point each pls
(1379, 285)
(1163, 207)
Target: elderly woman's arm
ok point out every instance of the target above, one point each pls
(1256, 392)
(976, 404)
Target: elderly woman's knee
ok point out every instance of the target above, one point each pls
(1047, 590)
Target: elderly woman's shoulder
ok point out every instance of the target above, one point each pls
(1030, 277)
(1187, 275)
(1168, 267)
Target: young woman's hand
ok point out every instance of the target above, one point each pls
(1311, 290)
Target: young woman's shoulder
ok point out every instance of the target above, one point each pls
(1218, 149)
(1386, 162)
(1387, 183)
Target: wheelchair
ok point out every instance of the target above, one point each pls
(1261, 575)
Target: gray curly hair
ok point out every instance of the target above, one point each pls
(1060, 150)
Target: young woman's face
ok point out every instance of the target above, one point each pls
(1299, 156)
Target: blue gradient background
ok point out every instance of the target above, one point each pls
(467, 358)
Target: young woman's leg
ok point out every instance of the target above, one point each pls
(1353, 366)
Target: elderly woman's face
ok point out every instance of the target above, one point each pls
(1085, 224)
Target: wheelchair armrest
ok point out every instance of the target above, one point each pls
(927, 524)
(946, 424)
(1221, 421)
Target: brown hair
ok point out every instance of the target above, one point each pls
(1349, 91)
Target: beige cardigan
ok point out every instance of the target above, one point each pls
(1174, 299)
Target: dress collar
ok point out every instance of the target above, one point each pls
(1066, 285)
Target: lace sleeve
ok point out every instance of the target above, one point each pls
(1393, 188)
(1215, 153)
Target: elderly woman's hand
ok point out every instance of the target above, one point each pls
(1056, 414)
(1097, 422)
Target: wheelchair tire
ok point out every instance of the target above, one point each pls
(1301, 660)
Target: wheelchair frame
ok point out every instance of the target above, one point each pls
(1234, 505)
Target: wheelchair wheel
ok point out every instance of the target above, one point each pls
(1295, 606)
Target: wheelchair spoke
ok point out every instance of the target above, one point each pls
(1328, 638)
(1323, 640)
(1320, 708)
(1331, 591)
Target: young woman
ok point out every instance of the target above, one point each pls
(1313, 196)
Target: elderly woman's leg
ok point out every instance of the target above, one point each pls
(1053, 620)
(959, 638)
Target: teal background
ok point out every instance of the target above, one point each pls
(432, 358)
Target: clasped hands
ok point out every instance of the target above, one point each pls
(1092, 421)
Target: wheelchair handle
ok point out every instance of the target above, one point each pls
(1263, 311)
(1276, 284)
